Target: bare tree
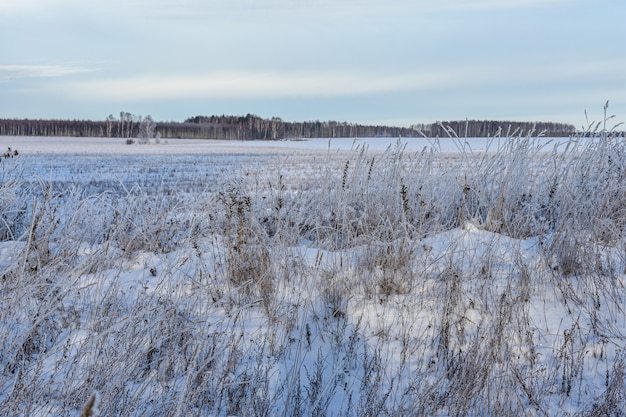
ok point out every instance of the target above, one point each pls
(110, 121)
(147, 127)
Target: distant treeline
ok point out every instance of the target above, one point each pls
(490, 128)
(251, 127)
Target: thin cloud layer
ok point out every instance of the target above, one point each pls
(303, 84)
(9, 72)
(248, 84)
(199, 8)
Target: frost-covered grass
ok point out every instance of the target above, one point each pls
(316, 283)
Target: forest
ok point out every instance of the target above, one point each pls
(252, 127)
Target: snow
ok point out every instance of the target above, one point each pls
(158, 300)
(118, 146)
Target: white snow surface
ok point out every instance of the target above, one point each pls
(180, 319)
(117, 146)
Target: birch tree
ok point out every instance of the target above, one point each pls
(147, 127)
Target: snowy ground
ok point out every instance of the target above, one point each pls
(354, 278)
(117, 146)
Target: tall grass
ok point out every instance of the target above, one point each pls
(393, 283)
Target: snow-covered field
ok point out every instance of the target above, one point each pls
(365, 277)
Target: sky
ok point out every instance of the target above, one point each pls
(393, 62)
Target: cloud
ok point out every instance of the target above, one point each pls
(200, 8)
(484, 5)
(251, 84)
(11, 7)
(326, 83)
(9, 72)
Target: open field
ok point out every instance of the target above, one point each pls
(358, 278)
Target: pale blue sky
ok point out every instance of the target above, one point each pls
(396, 62)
